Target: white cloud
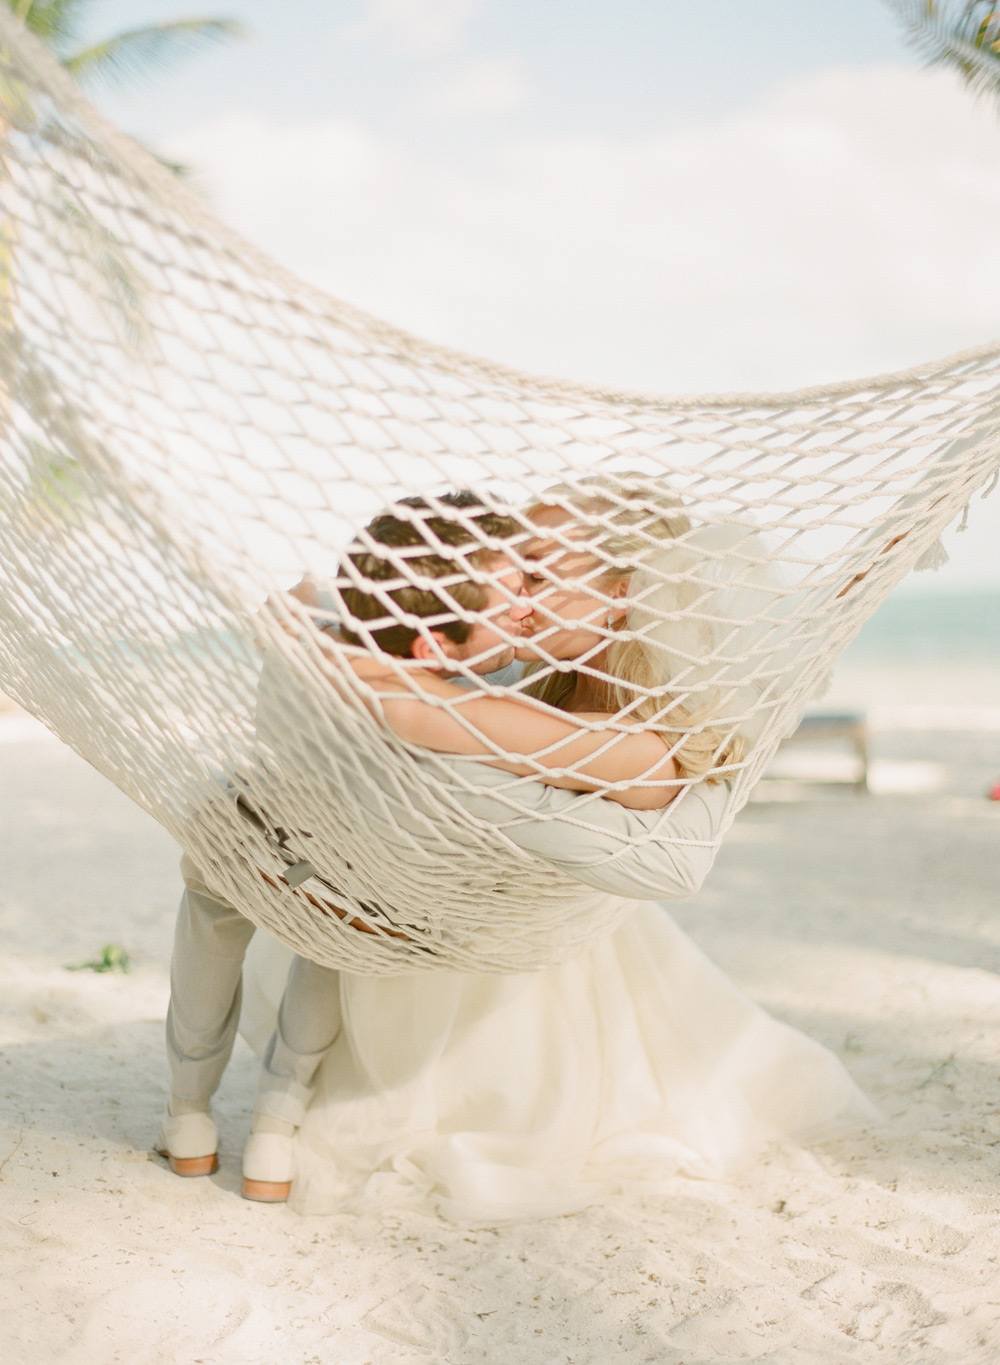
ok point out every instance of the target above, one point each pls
(483, 84)
(419, 26)
(259, 173)
(848, 225)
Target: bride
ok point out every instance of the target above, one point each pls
(505, 1097)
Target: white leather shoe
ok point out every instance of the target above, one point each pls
(268, 1167)
(190, 1143)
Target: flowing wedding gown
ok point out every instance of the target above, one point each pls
(492, 1098)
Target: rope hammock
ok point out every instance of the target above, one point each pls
(186, 430)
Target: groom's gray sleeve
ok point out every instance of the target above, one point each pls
(645, 855)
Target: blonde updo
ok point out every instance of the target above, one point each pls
(624, 520)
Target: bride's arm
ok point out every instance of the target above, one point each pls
(556, 747)
(546, 742)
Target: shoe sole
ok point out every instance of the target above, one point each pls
(266, 1191)
(193, 1165)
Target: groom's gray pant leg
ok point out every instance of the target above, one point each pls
(210, 943)
(308, 1022)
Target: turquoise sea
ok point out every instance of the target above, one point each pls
(924, 649)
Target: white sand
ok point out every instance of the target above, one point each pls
(871, 922)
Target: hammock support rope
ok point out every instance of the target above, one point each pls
(186, 430)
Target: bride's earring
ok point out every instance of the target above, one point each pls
(611, 620)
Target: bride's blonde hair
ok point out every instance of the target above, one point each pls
(625, 520)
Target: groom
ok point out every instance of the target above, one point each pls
(612, 853)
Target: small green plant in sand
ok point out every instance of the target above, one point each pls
(111, 958)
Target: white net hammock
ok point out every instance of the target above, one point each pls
(186, 430)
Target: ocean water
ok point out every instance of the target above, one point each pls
(925, 656)
(925, 660)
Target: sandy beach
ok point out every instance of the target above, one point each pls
(870, 921)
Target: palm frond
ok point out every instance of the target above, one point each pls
(106, 270)
(16, 108)
(962, 34)
(179, 168)
(139, 50)
(55, 22)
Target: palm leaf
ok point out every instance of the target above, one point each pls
(105, 270)
(179, 168)
(962, 34)
(138, 50)
(53, 21)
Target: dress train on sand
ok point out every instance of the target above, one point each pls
(505, 1097)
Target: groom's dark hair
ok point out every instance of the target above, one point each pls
(441, 539)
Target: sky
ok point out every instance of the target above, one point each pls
(646, 193)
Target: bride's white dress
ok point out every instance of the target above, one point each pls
(503, 1097)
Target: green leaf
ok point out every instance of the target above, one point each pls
(962, 34)
(112, 958)
(53, 21)
(131, 54)
(114, 280)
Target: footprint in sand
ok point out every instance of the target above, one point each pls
(165, 1317)
(421, 1318)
